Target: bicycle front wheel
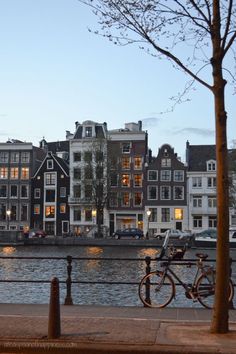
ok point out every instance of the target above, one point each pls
(205, 289)
(156, 289)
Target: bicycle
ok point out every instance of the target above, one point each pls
(157, 288)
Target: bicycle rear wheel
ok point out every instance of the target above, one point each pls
(205, 289)
(156, 289)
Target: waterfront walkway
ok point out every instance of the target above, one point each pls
(110, 330)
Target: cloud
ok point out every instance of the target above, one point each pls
(196, 131)
(150, 122)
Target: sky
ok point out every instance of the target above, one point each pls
(54, 72)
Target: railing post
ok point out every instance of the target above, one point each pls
(54, 320)
(231, 304)
(147, 285)
(68, 299)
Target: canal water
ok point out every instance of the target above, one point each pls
(124, 264)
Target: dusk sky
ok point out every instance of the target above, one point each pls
(54, 72)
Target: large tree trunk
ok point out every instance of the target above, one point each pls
(219, 322)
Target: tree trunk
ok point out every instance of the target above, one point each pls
(220, 316)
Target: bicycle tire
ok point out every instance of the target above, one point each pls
(205, 289)
(162, 290)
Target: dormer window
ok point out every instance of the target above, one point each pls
(211, 165)
(88, 132)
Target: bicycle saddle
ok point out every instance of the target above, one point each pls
(202, 255)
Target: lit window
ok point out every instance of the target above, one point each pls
(36, 209)
(138, 180)
(138, 163)
(24, 173)
(3, 172)
(125, 180)
(14, 173)
(62, 208)
(50, 211)
(125, 163)
(179, 214)
(125, 199)
(137, 198)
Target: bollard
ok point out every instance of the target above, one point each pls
(68, 299)
(147, 285)
(54, 321)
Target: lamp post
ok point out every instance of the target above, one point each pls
(148, 219)
(8, 212)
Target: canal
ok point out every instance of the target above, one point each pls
(95, 269)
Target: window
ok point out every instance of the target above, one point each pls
(3, 191)
(197, 182)
(3, 156)
(88, 132)
(165, 193)
(165, 162)
(88, 172)
(87, 156)
(138, 180)
(13, 191)
(178, 192)
(152, 175)
(77, 156)
(50, 179)
(77, 191)
(24, 212)
(88, 215)
(211, 166)
(178, 176)
(113, 199)
(3, 209)
(62, 192)
(14, 157)
(25, 157)
(138, 163)
(50, 195)
(50, 211)
(126, 148)
(99, 172)
(77, 173)
(125, 180)
(49, 164)
(24, 173)
(197, 202)
(3, 172)
(137, 198)
(114, 179)
(24, 191)
(125, 163)
(125, 199)
(165, 175)
(88, 191)
(165, 214)
(212, 222)
(14, 173)
(153, 216)
(62, 208)
(211, 202)
(37, 193)
(77, 214)
(152, 192)
(179, 214)
(211, 182)
(99, 156)
(13, 212)
(197, 222)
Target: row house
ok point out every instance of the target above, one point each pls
(18, 162)
(165, 192)
(49, 201)
(127, 157)
(88, 177)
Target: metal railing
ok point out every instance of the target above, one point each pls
(69, 266)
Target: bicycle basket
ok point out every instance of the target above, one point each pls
(178, 253)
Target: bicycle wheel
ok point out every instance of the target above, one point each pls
(156, 290)
(205, 289)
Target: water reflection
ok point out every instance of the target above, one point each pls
(8, 250)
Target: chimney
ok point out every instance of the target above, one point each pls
(140, 125)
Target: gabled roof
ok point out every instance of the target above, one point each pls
(198, 155)
(60, 162)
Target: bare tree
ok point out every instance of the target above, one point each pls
(171, 29)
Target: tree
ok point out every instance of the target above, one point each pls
(169, 29)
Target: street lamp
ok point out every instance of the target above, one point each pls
(148, 218)
(8, 212)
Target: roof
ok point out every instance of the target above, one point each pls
(198, 155)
